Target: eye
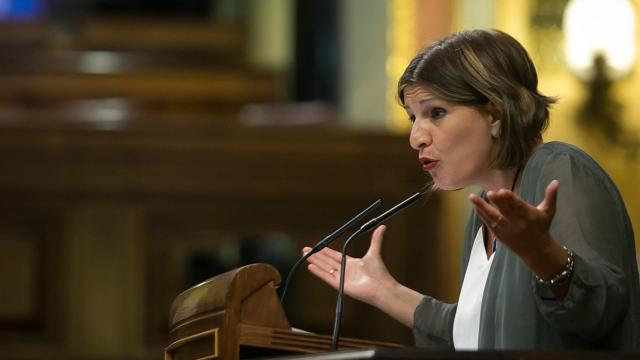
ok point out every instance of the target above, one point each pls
(438, 113)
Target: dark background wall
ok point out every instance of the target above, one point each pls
(141, 154)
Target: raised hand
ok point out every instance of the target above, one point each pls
(525, 230)
(522, 227)
(364, 276)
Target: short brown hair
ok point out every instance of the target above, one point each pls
(479, 67)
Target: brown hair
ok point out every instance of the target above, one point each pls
(482, 67)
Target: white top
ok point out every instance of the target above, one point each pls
(466, 324)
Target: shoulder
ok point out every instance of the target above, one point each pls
(558, 159)
(574, 168)
(559, 151)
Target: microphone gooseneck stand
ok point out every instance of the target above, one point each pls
(363, 229)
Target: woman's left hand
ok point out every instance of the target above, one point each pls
(525, 230)
(522, 227)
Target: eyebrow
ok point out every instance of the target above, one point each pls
(422, 102)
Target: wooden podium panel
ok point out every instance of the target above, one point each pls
(238, 314)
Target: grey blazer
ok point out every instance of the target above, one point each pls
(602, 307)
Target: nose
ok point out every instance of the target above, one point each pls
(419, 137)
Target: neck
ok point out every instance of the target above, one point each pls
(507, 179)
(503, 179)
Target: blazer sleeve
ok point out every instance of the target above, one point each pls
(433, 323)
(591, 220)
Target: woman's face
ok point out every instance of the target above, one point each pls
(454, 142)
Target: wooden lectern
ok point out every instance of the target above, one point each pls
(238, 314)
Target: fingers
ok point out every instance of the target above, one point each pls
(324, 275)
(324, 261)
(510, 216)
(489, 214)
(335, 255)
(325, 264)
(511, 206)
(505, 208)
(508, 203)
(329, 252)
(376, 241)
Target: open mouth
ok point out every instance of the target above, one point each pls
(428, 164)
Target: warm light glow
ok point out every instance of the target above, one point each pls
(401, 47)
(596, 26)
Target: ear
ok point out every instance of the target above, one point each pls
(494, 111)
(495, 126)
(494, 119)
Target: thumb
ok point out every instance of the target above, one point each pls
(376, 241)
(548, 205)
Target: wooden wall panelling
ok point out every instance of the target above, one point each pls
(32, 283)
(177, 192)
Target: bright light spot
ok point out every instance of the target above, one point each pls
(5, 6)
(103, 114)
(21, 10)
(99, 62)
(595, 26)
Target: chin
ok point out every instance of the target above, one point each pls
(447, 185)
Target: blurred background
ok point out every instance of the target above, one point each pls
(146, 146)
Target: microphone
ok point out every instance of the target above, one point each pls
(326, 241)
(330, 238)
(363, 229)
(389, 213)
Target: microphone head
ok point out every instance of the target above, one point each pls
(387, 214)
(336, 234)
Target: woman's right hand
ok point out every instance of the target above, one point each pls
(364, 278)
